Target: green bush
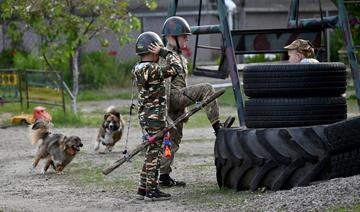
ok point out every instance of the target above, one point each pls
(123, 77)
(99, 69)
(260, 58)
(7, 58)
(28, 61)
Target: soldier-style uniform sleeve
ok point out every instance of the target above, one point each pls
(171, 69)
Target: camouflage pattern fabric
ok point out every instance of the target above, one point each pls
(178, 102)
(303, 46)
(152, 96)
(149, 172)
(149, 77)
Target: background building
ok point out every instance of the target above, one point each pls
(248, 14)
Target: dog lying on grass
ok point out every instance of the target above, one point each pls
(58, 150)
(111, 130)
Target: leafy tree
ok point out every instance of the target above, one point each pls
(65, 25)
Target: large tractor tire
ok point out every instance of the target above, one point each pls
(282, 158)
(294, 80)
(294, 112)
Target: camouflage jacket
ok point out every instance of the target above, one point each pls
(178, 80)
(149, 77)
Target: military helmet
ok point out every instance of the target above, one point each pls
(305, 47)
(176, 26)
(144, 40)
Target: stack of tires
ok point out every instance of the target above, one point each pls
(290, 140)
(290, 95)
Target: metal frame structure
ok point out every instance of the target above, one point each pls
(228, 63)
(58, 80)
(17, 85)
(228, 50)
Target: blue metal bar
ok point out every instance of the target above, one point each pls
(327, 22)
(197, 36)
(345, 27)
(293, 15)
(230, 57)
(172, 8)
(206, 29)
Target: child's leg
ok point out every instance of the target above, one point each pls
(149, 172)
(153, 157)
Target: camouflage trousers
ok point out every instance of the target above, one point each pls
(150, 171)
(178, 104)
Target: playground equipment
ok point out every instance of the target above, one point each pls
(9, 86)
(39, 112)
(281, 158)
(40, 87)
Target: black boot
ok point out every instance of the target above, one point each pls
(167, 181)
(216, 126)
(140, 193)
(227, 124)
(156, 195)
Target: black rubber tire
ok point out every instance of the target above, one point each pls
(273, 158)
(343, 136)
(282, 158)
(292, 112)
(345, 164)
(294, 80)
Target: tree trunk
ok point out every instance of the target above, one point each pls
(75, 75)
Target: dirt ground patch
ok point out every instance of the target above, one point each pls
(82, 187)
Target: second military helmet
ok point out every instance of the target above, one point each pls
(144, 40)
(176, 26)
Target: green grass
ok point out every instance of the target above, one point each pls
(105, 94)
(199, 120)
(228, 99)
(210, 196)
(89, 175)
(352, 208)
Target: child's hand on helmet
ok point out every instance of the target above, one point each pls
(154, 48)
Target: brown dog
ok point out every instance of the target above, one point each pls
(58, 149)
(111, 130)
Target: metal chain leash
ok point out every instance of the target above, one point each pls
(125, 152)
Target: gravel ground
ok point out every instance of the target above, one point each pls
(82, 188)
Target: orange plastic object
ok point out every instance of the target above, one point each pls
(39, 112)
(167, 152)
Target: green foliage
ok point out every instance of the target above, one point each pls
(190, 67)
(73, 120)
(7, 58)
(12, 58)
(352, 208)
(260, 58)
(28, 61)
(337, 38)
(104, 94)
(97, 69)
(100, 69)
(228, 98)
(66, 25)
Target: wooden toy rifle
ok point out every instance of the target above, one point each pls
(152, 139)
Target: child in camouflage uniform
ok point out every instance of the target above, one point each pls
(152, 107)
(176, 31)
(301, 51)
